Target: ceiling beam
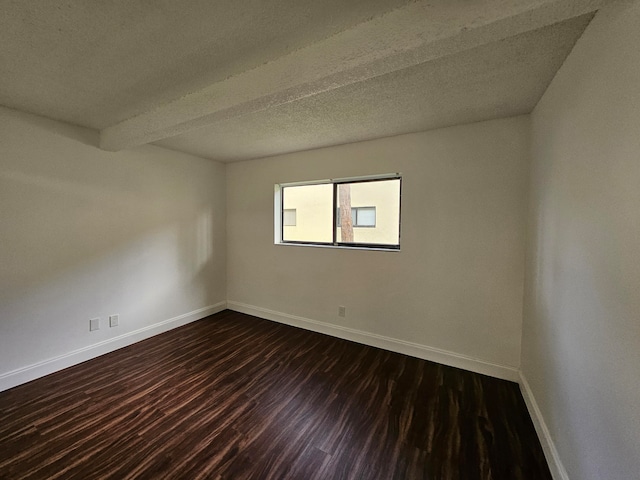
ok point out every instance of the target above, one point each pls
(417, 33)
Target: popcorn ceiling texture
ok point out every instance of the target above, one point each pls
(238, 80)
(491, 81)
(98, 63)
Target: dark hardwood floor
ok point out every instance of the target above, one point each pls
(236, 397)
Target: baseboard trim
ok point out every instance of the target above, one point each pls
(558, 472)
(31, 372)
(393, 344)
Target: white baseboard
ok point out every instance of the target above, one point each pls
(558, 471)
(31, 372)
(393, 344)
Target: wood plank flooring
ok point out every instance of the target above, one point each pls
(236, 397)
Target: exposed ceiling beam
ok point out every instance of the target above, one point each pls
(408, 36)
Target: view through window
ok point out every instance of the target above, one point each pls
(364, 213)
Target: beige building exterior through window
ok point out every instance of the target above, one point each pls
(375, 213)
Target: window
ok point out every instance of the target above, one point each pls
(360, 216)
(289, 217)
(363, 212)
(364, 216)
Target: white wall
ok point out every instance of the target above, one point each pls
(581, 339)
(457, 283)
(86, 233)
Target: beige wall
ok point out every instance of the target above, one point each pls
(581, 339)
(457, 283)
(86, 233)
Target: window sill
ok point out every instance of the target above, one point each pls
(339, 247)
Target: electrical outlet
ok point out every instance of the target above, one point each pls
(114, 320)
(94, 324)
(342, 311)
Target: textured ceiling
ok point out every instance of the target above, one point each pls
(496, 80)
(233, 80)
(98, 63)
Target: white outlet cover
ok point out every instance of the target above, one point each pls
(94, 324)
(342, 311)
(114, 320)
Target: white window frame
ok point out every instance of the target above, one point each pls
(278, 213)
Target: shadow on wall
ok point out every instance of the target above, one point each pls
(72, 252)
(82, 135)
(63, 225)
(87, 233)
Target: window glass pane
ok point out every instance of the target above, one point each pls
(366, 217)
(374, 204)
(313, 205)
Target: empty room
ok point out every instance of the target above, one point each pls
(364, 240)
